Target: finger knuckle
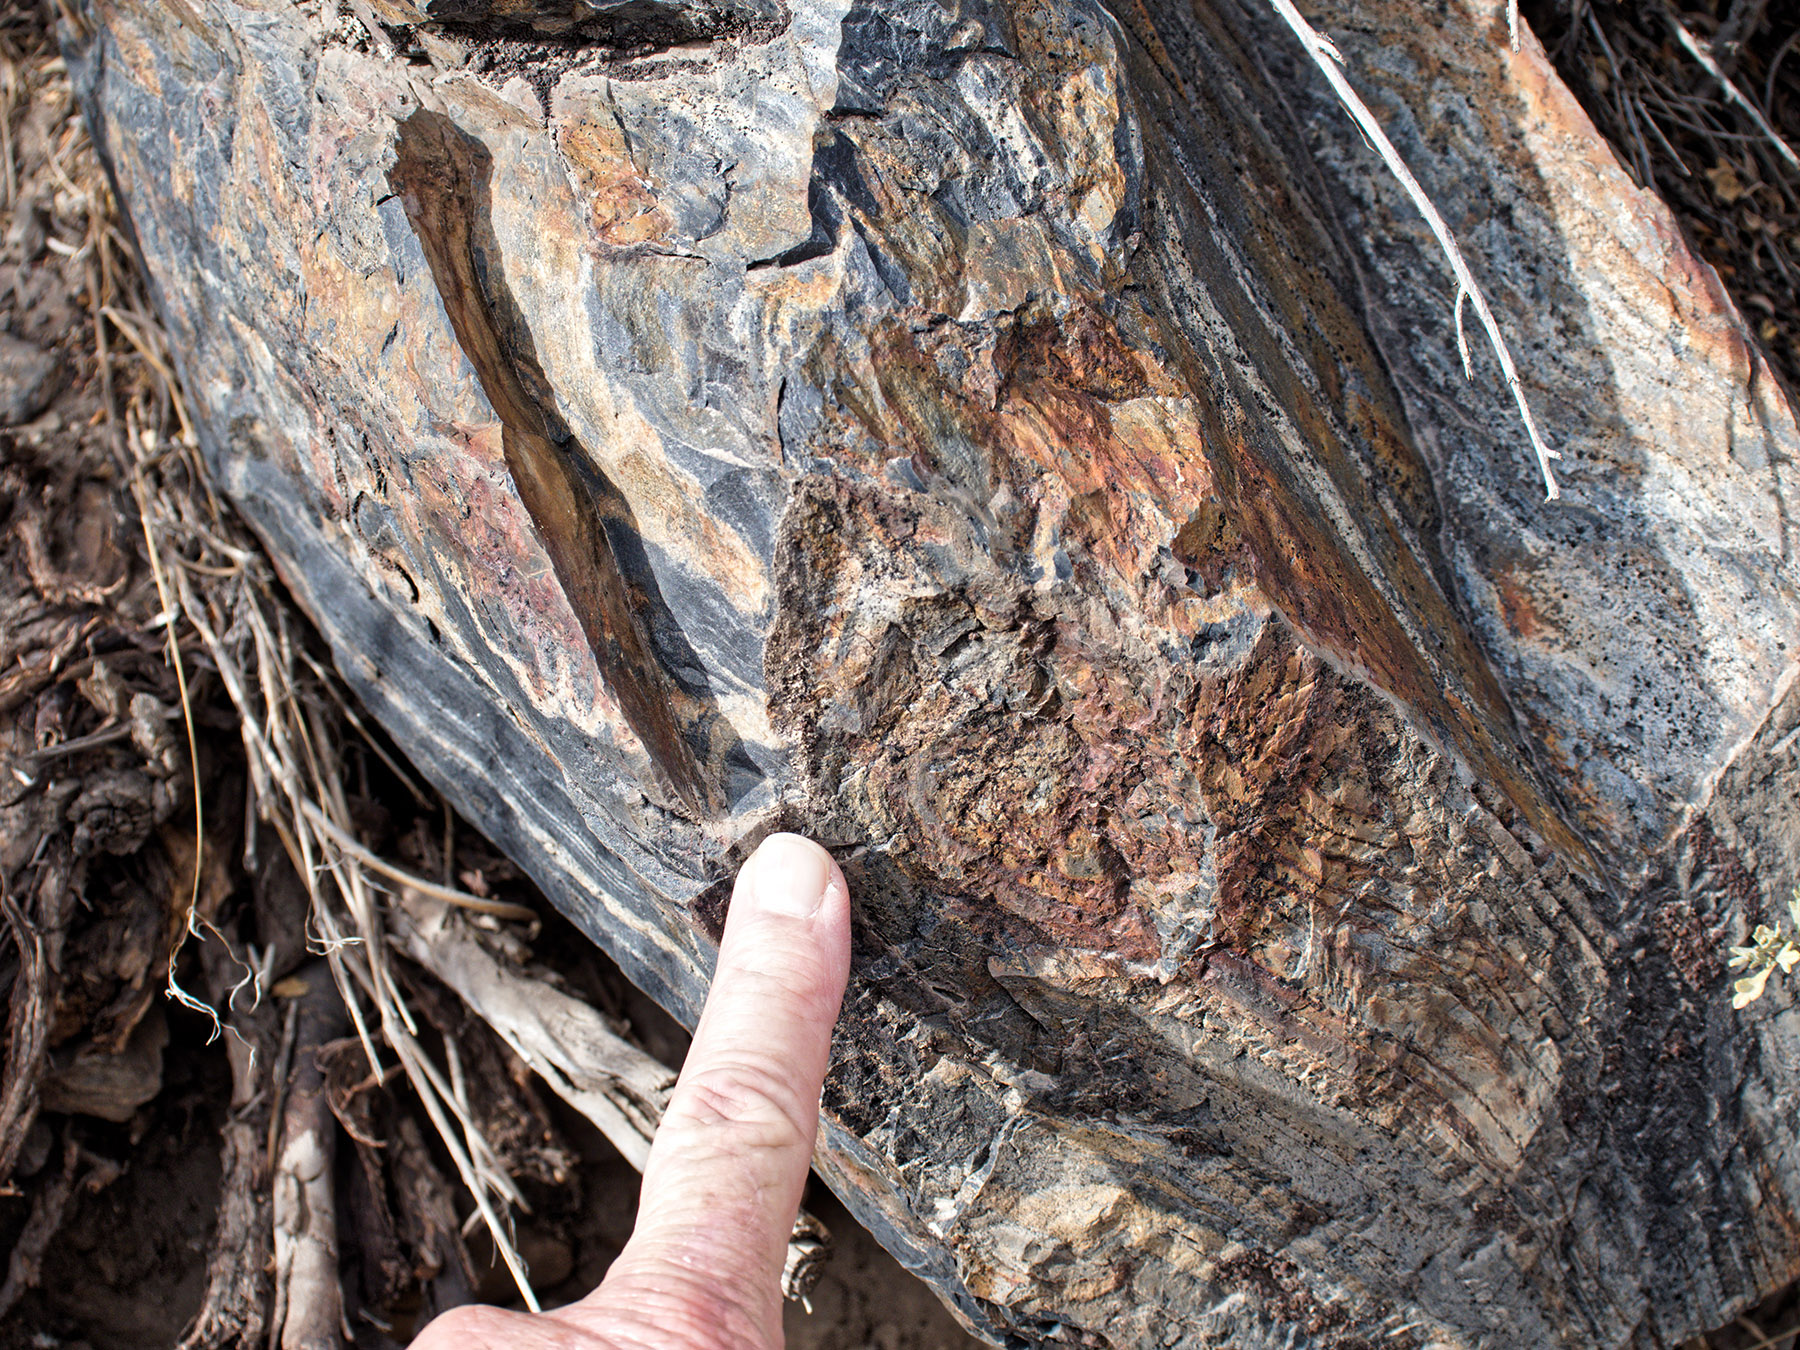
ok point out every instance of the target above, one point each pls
(679, 1309)
(751, 1101)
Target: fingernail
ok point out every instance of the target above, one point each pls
(787, 875)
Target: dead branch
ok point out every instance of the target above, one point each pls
(235, 1310)
(57, 587)
(446, 1277)
(1741, 20)
(220, 586)
(309, 1303)
(39, 936)
(1732, 93)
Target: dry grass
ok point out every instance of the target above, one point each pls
(292, 716)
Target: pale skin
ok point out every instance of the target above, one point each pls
(703, 1268)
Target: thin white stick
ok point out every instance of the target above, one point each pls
(1512, 22)
(449, 895)
(418, 1069)
(1732, 92)
(1329, 59)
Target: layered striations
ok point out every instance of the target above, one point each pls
(1023, 445)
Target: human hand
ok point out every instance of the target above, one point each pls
(703, 1268)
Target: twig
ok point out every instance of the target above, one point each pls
(166, 601)
(298, 784)
(138, 333)
(1732, 92)
(1781, 54)
(211, 578)
(419, 1070)
(1742, 19)
(309, 1301)
(373, 742)
(93, 740)
(284, 1058)
(235, 1309)
(427, 1196)
(500, 909)
(1766, 1342)
(53, 585)
(39, 936)
(1330, 60)
(1667, 145)
(610, 1081)
(1646, 172)
(26, 1264)
(1621, 101)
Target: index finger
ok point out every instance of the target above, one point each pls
(730, 1158)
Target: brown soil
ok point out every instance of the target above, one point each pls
(128, 1267)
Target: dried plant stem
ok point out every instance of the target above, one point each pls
(1330, 60)
(1732, 92)
(500, 909)
(223, 592)
(309, 1300)
(211, 580)
(1766, 1342)
(163, 599)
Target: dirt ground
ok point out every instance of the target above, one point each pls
(138, 1141)
(127, 1270)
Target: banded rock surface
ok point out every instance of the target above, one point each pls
(1023, 445)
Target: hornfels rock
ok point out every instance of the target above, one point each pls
(1024, 445)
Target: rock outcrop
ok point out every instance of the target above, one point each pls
(1024, 445)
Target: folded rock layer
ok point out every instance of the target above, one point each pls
(1024, 445)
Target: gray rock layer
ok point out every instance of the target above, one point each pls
(1023, 445)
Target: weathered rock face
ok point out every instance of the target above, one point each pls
(1023, 445)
